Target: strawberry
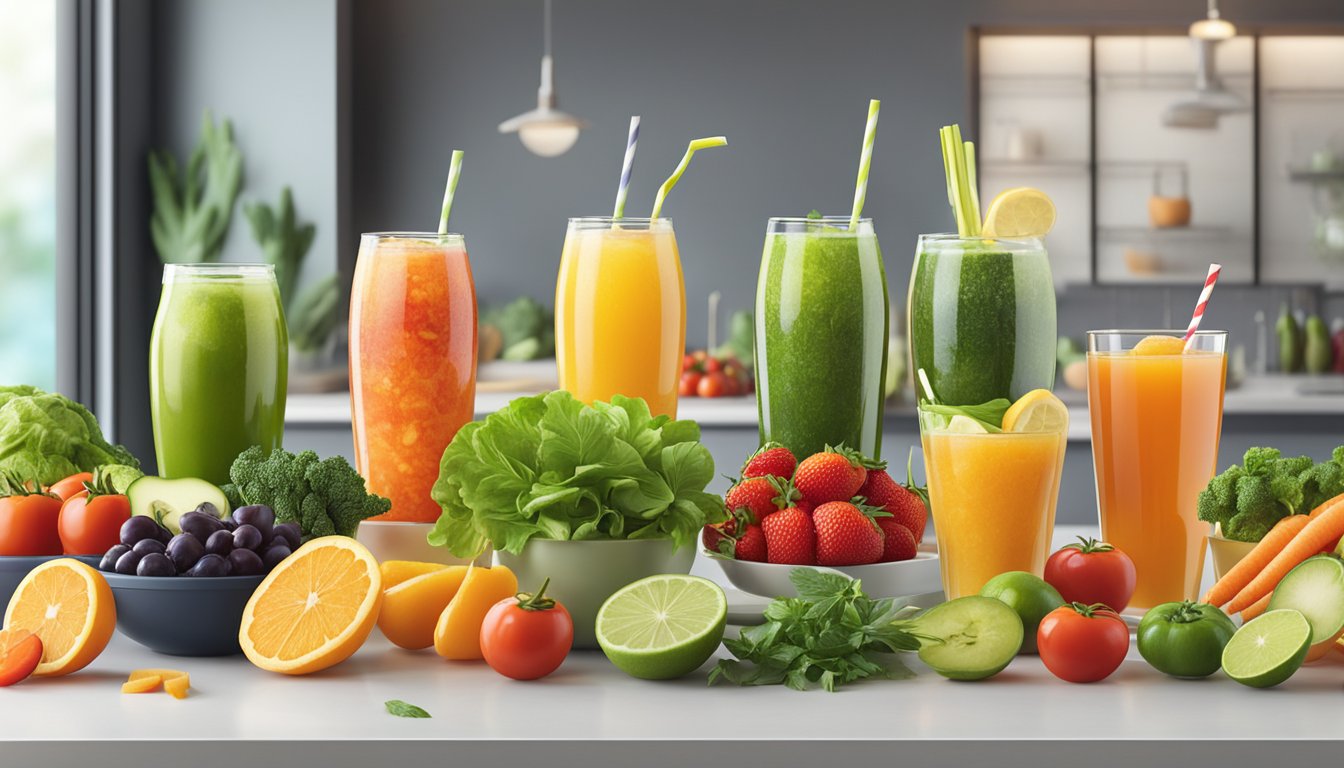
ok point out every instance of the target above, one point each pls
(760, 496)
(879, 488)
(908, 509)
(751, 544)
(845, 535)
(772, 460)
(898, 543)
(789, 537)
(832, 475)
(716, 538)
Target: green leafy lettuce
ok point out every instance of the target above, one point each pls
(551, 467)
(45, 436)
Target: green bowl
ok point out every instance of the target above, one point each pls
(584, 574)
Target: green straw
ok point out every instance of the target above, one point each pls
(712, 141)
(454, 171)
(865, 162)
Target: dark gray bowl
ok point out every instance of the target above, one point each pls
(182, 615)
(14, 567)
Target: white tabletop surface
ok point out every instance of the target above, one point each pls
(589, 713)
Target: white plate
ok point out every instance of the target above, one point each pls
(906, 578)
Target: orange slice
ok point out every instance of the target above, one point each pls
(412, 608)
(147, 684)
(1159, 345)
(175, 681)
(397, 571)
(315, 609)
(69, 606)
(457, 635)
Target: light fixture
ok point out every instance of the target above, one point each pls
(545, 131)
(1215, 27)
(1210, 99)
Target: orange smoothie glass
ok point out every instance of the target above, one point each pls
(1157, 415)
(620, 311)
(412, 363)
(993, 500)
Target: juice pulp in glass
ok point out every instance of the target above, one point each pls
(1156, 421)
(982, 318)
(993, 499)
(821, 336)
(620, 312)
(412, 363)
(218, 368)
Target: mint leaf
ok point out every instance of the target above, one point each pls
(817, 585)
(990, 414)
(402, 709)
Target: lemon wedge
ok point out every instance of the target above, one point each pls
(965, 425)
(1037, 411)
(1020, 212)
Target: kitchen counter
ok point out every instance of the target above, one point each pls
(588, 713)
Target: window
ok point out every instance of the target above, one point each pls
(28, 193)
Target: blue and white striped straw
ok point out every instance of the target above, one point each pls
(627, 167)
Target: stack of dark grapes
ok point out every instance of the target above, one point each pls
(248, 543)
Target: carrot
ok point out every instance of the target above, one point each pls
(1318, 510)
(1256, 609)
(1328, 525)
(1255, 561)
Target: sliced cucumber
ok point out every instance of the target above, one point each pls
(972, 638)
(167, 500)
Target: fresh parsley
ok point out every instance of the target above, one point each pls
(831, 634)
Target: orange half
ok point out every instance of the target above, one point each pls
(69, 606)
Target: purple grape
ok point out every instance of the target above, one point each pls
(126, 564)
(246, 537)
(229, 523)
(245, 562)
(206, 508)
(148, 546)
(185, 550)
(109, 561)
(163, 534)
(200, 525)
(277, 552)
(155, 564)
(258, 516)
(292, 534)
(211, 566)
(139, 528)
(220, 543)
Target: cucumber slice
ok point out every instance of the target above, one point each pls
(973, 637)
(167, 500)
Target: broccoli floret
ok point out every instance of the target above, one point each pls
(1246, 501)
(324, 497)
(1323, 481)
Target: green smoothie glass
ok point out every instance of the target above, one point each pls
(218, 362)
(821, 335)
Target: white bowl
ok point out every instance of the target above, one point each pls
(406, 541)
(905, 578)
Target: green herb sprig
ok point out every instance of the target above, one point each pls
(400, 708)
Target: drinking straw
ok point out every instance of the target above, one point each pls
(454, 171)
(865, 162)
(626, 168)
(968, 152)
(962, 195)
(1202, 304)
(706, 143)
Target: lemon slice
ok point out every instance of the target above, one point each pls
(965, 425)
(1020, 212)
(1037, 411)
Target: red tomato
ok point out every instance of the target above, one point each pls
(91, 524)
(20, 653)
(712, 385)
(690, 380)
(1092, 572)
(687, 362)
(526, 637)
(1081, 643)
(28, 524)
(731, 386)
(713, 364)
(71, 485)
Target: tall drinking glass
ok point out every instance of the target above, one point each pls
(821, 335)
(412, 363)
(218, 365)
(620, 311)
(1156, 419)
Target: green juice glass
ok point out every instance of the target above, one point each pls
(218, 364)
(821, 335)
(982, 318)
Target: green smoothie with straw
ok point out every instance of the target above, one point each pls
(821, 328)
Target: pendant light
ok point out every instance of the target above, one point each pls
(545, 131)
(1210, 100)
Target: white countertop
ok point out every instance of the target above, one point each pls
(589, 713)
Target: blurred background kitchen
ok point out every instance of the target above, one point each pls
(306, 122)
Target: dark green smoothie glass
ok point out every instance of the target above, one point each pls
(821, 335)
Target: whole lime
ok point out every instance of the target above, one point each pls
(1029, 595)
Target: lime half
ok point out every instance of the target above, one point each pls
(663, 626)
(1269, 649)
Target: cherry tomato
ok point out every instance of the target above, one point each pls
(71, 485)
(1092, 572)
(688, 362)
(90, 524)
(712, 385)
(1082, 643)
(20, 653)
(731, 386)
(690, 380)
(28, 521)
(527, 636)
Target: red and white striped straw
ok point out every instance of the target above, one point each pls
(1202, 304)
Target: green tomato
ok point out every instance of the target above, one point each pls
(1029, 595)
(1185, 639)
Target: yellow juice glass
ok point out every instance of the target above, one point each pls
(992, 497)
(1156, 421)
(620, 311)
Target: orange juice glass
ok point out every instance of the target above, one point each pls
(412, 363)
(620, 311)
(1156, 420)
(992, 497)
